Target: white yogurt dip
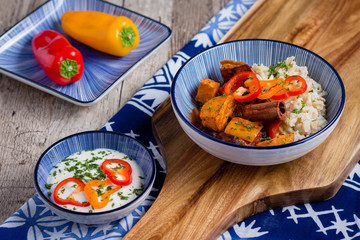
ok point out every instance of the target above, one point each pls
(85, 165)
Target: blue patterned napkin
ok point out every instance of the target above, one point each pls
(333, 219)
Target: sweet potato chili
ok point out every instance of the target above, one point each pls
(245, 110)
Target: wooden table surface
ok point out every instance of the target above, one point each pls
(31, 120)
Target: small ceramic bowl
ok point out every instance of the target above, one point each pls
(206, 65)
(93, 140)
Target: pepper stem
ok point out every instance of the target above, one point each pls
(127, 36)
(68, 68)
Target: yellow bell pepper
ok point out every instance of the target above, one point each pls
(279, 140)
(115, 35)
(244, 129)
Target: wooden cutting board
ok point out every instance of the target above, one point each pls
(202, 195)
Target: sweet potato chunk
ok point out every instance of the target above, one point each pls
(229, 68)
(215, 113)
(207, 90)
(244, 129)
(279, 140)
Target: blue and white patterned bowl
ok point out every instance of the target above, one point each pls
(101, 71)
(92, 140)
(206, 65)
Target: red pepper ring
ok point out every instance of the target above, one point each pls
(61, 62)
(70, 199)
(288, 89)
(124, 170)
(237, 85)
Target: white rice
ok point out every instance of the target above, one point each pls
(305, 113)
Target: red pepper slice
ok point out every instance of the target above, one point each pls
(61, 62)
(93, 194)
(70, 199)
(272, 128)
(288, 89)
(124, 170)
(237, 86)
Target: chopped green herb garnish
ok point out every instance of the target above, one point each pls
(137, 191)
(297, 111)
(264, 139)
(249, 126)
(122, 197)
(274, 72)
(99, 192)
(119, 166)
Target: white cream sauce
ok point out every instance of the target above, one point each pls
(85, 165)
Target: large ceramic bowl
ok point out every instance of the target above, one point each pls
(93, 140)
(206, 65)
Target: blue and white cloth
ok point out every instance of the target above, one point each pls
(337, 218)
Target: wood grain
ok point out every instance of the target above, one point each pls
(203, 196)
(32, 120)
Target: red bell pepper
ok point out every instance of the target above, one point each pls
(61, 62)
(243, 82)
(288, 90)
(123, 169)
(272, 128)
(70, 199)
